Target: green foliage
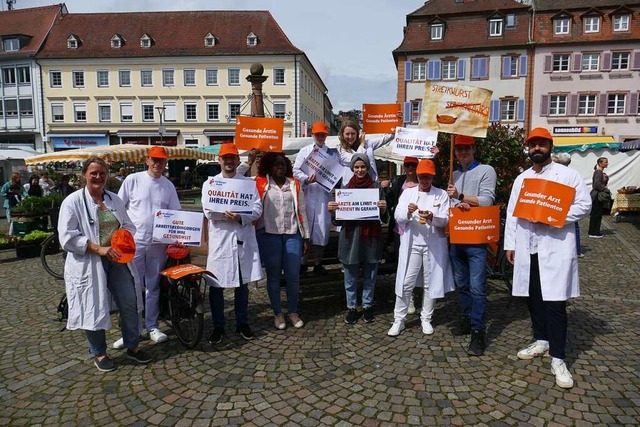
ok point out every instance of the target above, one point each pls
(354, 114)
(37, 206)
(36, 236)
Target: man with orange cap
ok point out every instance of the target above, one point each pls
(544, 257)
(143, 194)
(473, 184)
(316, 198)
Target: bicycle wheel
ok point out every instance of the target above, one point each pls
(185, 307)
(506, 270)
(52, 256)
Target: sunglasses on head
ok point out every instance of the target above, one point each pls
(407, 165)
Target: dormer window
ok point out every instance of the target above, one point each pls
(621, 23)
(209, 40)
(145, 41)
(72, 42)
(561, 26)
(511, 20)
(436, 31)
(495, 27)
(591, 24)
(252, 39)
(116, 42)
(11, 45)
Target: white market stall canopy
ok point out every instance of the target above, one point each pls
(116, 153)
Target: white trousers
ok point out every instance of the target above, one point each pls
(150, 260)
(419, 263)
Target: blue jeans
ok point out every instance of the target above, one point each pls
(281, 252)
(469, 273)
(240, 300)
(121, 285)
(351, 273)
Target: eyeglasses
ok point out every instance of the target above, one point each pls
(410, 165)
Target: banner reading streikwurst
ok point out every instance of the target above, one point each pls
(265, 134)
(453, 108)
(380, 118)
(480, 224)
(544, 201)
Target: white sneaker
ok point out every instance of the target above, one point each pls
(563, 376)
(119, 344)
(427, 329)
(396, 328)
(535, 349)
(412, 306)
(158, 336)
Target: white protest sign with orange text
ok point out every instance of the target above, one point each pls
(414, 142)
(262, 133)
(480, 224)
(380, 118)
(544, 201)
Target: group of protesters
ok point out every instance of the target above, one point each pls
(291, 212)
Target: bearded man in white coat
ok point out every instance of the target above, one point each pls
(233, 251)
(316, 198)
(545, 258)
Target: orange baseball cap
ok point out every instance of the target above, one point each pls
(426, 166)
(410, 159)
(464, 140)
(227, 148)
(539, 133)
(157, 152)
(122, 241)
(320, 127)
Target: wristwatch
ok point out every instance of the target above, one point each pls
(461, 197)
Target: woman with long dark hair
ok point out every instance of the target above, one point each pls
(600, 181)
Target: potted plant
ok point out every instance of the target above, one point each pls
(32, 213)
(29, 246)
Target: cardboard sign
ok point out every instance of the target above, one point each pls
(454, 108)
(325, 166)
(544, 201)
(229, 194)
(480, 224)
(414, 142)
(357, 204)
(380, 118)
(265, 134)
(171, 226)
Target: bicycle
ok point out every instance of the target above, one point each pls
(497, 266)
(182, 295)
(52, 256)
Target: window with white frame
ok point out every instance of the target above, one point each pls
(621, 23)
(587, 105)
(620, 60)
(252, 40)
(507, 110)
(590, 62)
(72, 43)
(213, 112)
(55, 78)
(78, 78)
(278, 76)
(9, 76)
(558, 105)
(146, 78)
(126, 112)
(191, 112)
(26, 107)
(124, 78)
(561, 26)
(615, 103)
(189, 77)
(209, 41)
(80, 112)
(449, 69)
(419, 71)
(436, 31)
(11, 107)
(212, 76)
(167, 77)
(57, 112)
(104, 112)
(513, 67)
(145, 41)
(495, 27)
(11, 45)
(280, 110)
(234, 109)
(234, 76)
(148, 112)
(103, 78)
(116, 42)
(592, 24)
(561, 62)
(415, 111)
(24, 76)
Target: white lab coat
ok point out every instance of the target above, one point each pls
(369, 146)
(556, 246)
(226, 257)
(437, 201)
(316, 199)
(85, 278)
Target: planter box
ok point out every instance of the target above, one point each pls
(25, 224)
(28, 251)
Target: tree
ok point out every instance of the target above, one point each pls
(354, 114)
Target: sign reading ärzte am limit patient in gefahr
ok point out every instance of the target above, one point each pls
(414, 142)
(262, 133)
(380, 118)
(480, 224)
(228, 194)
(171, 226)
(357, 204)
(544, 201)
(325, 166)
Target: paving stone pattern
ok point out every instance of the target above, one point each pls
(330, 373)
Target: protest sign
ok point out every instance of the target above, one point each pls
(454, 108)
(265, 134)
(414, 142)
(325, 166)
(480, 224)
(229, 194)
(380, 118)
(171, 226)
(544, 201)
(357, 204)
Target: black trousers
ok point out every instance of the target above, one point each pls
(548, 318)
(595, 219)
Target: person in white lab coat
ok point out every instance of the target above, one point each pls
(233, 255)
(423, 258)
(545, 258)
(93, 272)
(316, 198)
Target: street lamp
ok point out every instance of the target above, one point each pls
(161, 129)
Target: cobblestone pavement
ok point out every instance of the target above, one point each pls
(330, 373)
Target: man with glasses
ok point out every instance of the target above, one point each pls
(473, 184)
(143, 194)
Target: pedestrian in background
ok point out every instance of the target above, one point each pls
(33, 186)
(600, 197)
(13, 192)
(46, 183)
(185, 178)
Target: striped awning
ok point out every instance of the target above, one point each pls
(116, 153)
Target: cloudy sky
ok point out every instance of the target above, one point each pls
(348, 42)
